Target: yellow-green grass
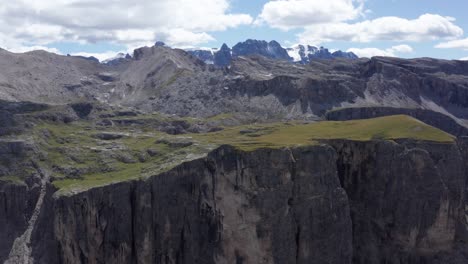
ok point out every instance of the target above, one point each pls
(129, 171)
(294, 134)
(247, 138)
(12, 179)
(220, 117)
(90, 152)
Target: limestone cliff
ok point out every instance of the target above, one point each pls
(336, 202)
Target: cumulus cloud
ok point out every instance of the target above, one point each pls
(100, 56)
(390, 52)
(402, 49)
(454, 44)
(131, 22)
(424, 28)
(185, 38)
(288, 14)
(334, 20)
(22, 49)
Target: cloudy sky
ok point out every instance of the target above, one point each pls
(403, 28)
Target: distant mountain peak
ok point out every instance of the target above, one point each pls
(223, 56)
(298, 53)
(160, 44)
(117, 59)
(90, 58)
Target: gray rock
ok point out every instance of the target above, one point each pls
(82, 110)
(109, 136)
(406, 200)
(161, 79)
(341, 202)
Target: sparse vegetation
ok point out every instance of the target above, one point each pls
(95, 162)
(220, 117)
(12, 179)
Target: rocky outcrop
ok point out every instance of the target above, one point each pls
(311, 95)
(223, 57)
(338, 202)
(9, 121)
(435, 119)
(13, 155)
(406, 199)
(21, 107)
(82, 110)
(16, 207)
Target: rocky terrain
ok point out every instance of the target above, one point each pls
(172, 81)
(160, 157)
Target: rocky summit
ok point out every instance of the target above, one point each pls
(250, 154)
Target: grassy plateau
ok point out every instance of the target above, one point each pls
(80, 160)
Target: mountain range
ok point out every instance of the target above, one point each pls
(223, 56)
(273, 50)
(175, 81)
(249, 154)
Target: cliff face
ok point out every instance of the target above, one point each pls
(407, 200)
(15, 210)
(272, 206)
(339, 202)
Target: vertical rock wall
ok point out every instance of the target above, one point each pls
(340, 202)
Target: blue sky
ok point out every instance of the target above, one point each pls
(379, 8)
(411, 28)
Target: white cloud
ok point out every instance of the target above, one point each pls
(22, 49)
(287, 14)
(332, 20)
(131, 22)
(424, 28)
(402, 49)
(464, 59)
(183, 38)
(454, 44)
(372, 52)
(100, 56)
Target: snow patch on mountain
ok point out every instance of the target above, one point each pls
(119, 55)
(302, 54)
(294, 53)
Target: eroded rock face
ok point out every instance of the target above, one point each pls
(15, 209)
(339, 202)
(9, 121)
(13, 153)
(407, 200)
(271, 206)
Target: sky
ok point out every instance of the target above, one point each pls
(401, 28)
